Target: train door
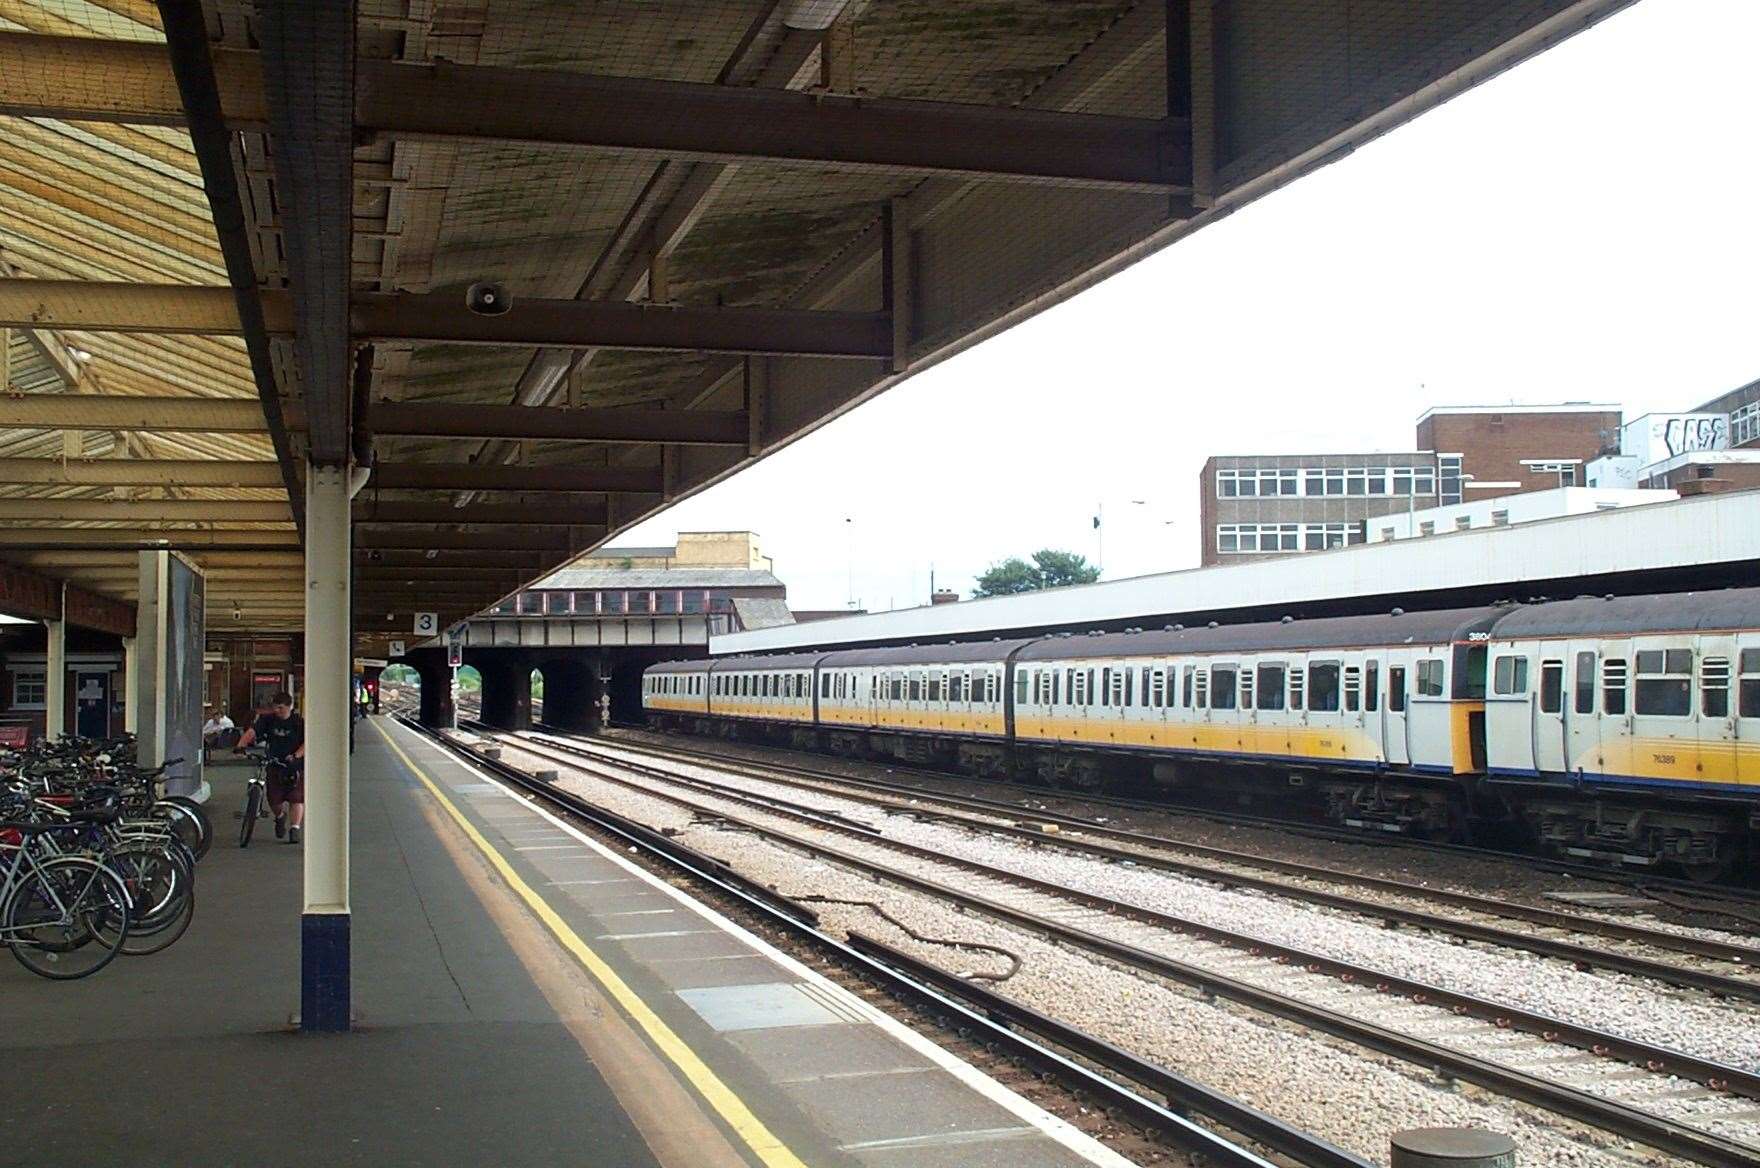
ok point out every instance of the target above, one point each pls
(1747, 699)
(1395, 743)
(1548, 712)
(1583, 719)
(1717, 709)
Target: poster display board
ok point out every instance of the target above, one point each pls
(170, 637)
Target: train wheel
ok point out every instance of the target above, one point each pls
(1707, 872)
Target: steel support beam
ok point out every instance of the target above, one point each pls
(680, 119)
(137, 472)
(84, 411)
(515, 514)
(192, 540)
(199, 78)
(538, 539)
(147, 510)
(120, 306)
(309, 77)
(443, 318)
(528, 562)
(91, 79)
(447, 476)
(112, 81)
(447, 420)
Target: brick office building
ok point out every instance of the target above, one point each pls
(1255, 506)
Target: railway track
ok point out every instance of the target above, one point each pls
(1322, 993)
(1237, 868)
(1096, 1070)
(1731, 901)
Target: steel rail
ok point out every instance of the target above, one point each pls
(1695, 946)
(1655, 1131)
(976, 1009)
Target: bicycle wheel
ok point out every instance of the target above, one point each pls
(190, 821)
(66, 918)
(253, 807)
(164, 890)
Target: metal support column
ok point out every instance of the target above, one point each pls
(55, 675)
(324, 936)
(131, 685)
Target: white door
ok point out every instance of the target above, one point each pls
(1549, 711)
(1394, 741)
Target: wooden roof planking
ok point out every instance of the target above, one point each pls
(757, 213)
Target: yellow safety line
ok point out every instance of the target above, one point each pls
(772, 1151)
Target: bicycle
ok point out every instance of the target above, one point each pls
(64, 916)
(256, 794)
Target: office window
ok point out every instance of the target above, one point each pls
(1222, 687)
(1744, 427)
(1271, 687)
(1448, 468)
(1386, 533)
(531, 603)
(1463, 522)
(1430, 678)
(1500, 519)
(1427, 527)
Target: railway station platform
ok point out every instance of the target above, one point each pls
(523, 995)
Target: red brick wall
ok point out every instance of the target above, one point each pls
(1493, 445)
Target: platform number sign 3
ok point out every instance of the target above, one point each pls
(427, 624)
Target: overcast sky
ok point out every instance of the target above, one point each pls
(1585, 227)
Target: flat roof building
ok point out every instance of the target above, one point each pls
(1254, 506)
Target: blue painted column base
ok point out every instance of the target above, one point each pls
(323, 973)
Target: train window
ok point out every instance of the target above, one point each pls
(1271, 687)
(1108, 695)
(1509, 676)
(1353, 688)
(1372, 686)
(1222, 687)
(1298, 679)
(1186, 686)
(1127, 687)
(1551, 687)
(1475, 687)
(1714, 687)
(1396, 688)
(825, 685)
(1055, 693)
(1246, 684)
(1323, 686)
(1585, 700)
(1430, 677)
(1750, 692)
(1613, 686)
(1155, 693)
(1667, 693)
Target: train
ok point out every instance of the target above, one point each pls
(1619, 729)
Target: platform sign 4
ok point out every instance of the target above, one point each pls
(427, 624)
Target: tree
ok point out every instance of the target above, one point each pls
(1049, 569)
(1061, 569)
(1011, 576)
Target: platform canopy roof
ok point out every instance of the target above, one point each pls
(239, 237)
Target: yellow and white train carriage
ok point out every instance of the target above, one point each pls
(1648, 704)
(1616, 728)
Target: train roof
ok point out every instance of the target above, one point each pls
(952, 653)
(1339, 632)
(1594, 616)
(694, 665)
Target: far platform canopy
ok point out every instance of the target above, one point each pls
(1712, 541)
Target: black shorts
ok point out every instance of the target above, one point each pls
(286, 782)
